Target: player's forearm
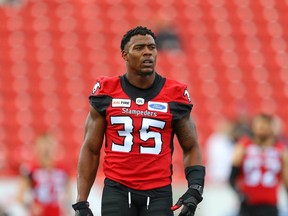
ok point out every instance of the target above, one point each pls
(187, 136)
(285, 168)
(235, 171)
(87, 170)
(23, 188)
(192, 157)
(194, 169)
(285, 178)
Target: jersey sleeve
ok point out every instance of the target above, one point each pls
(245, 141)
(181, 104)
(99, 98)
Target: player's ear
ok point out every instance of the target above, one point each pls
(124, 55)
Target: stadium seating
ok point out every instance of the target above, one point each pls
(234, 60)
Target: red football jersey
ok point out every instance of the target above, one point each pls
(139, 132)
(48, 188)
(261, 172)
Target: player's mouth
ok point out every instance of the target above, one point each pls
(148, 62)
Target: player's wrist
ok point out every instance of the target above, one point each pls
(196, 192)
(195, 175)
(80, 205)
(81, 208)
(198, 188)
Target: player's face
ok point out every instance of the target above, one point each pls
(46, 148)
(262, 128)
(140, 54)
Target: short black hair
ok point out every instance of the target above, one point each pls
(139, 30)
(266, 117)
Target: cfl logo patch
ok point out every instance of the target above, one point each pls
(140, 101)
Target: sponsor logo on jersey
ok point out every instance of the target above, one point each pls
(140, 101)
(116, 102)
(157, 106)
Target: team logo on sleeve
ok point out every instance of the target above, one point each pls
(186, 94)
(96, 86)
(116, 102)
(157, 106)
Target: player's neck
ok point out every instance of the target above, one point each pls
(47, 163)
(269, 141)
(141, 81)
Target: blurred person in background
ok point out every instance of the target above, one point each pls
(167, 37)
(139, 113)
(219, 147)
(11, 2)
(279, 131)
(3, 212)
(44, 183)
(241, 127)
(258, 166)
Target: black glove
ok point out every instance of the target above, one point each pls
(189, 200)
(82, 209)
(193, 196)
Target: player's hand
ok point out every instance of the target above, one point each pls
(82, 209)
(189, 200)
(244, 200)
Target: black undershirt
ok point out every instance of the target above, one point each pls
(147, 94)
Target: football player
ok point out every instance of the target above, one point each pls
(138, 113)
(259, 165)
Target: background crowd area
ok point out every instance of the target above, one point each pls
(232, 54)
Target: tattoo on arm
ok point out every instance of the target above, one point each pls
(186, 132)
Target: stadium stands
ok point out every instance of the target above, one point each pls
(234, 59)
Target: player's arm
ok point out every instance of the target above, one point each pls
(237, 158)
(24, 186)
(187, 136)
(194, 170)
(89, 159)
(285, 169)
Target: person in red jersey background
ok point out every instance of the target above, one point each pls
(46, 180)
(138, 113)
(259, 165)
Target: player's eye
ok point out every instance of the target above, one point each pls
(138, 48)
